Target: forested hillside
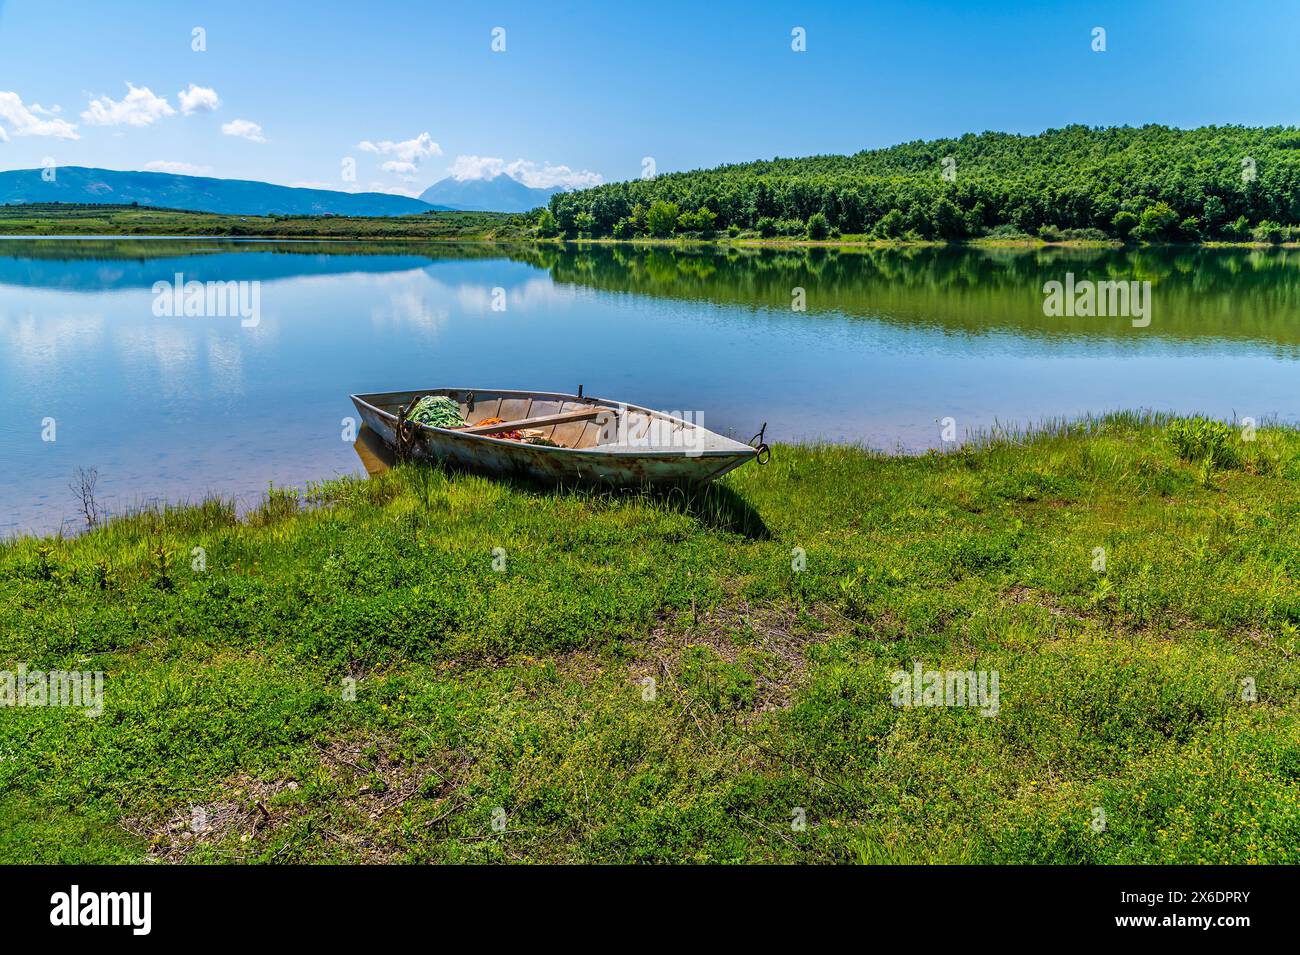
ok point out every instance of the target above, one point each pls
(1151, 183)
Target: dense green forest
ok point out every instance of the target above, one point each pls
(1152, 184)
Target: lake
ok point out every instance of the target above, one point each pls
(871, 347)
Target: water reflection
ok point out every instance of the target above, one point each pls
(891, 342)
(376, 457)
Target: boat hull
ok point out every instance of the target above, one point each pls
(609, 465)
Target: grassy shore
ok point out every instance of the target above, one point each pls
(92, 220)
(63, 219)
(509, 714)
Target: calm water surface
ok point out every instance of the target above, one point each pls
(890, 343)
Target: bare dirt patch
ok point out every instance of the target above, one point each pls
(372, 781)
(246, 815)
(779, 635)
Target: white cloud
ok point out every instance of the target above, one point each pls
(537, 176)
(178, 168)
(401, 168)
(245, 129)
(4, 137)
(140, 107)
(26, 121)
(409, 151)
(198, 99)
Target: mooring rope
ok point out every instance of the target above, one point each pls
(404, 433)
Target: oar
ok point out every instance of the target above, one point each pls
(541, 422)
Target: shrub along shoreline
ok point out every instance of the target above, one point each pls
(56, 221)
(349, 675)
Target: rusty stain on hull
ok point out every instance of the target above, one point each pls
(614, 449)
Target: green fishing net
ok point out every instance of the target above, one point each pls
(439, 412)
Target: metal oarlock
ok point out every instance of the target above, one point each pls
(756, 442)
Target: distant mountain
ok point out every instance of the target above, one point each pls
(197, 194)
(501, 193)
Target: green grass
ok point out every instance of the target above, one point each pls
(526, 690)
(73, 219)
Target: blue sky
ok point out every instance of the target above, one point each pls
(587, 90)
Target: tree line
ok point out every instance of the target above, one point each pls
(1152, 183)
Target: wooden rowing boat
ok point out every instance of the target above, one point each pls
(595, 441)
